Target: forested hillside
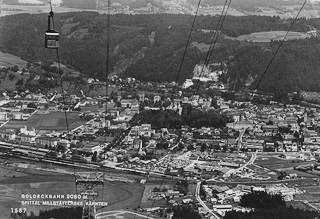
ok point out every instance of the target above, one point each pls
(154, 45)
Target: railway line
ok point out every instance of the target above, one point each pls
(24, 153)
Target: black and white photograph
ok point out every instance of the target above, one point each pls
(159, 109)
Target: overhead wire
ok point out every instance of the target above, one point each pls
(61, 85)
(178, 75)
(276, 52)
(107, 71)
(213, 42)
(155, 199)
(60, 73)
(183, 57)
(107, 84)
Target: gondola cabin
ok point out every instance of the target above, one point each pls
(52, 39)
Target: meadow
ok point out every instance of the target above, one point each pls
(14, 182)
(272, 35)
(50, 121)
(9, 60)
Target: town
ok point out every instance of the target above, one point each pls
(251, 143)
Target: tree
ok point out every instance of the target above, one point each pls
(11, 76)
(269, 122)
(61, 148)
(94, 157)
(204, 147)
(274, 213)
(262, 200)
(19, 82)
(185, 212)
(32, 105)
(190, 147)
(15, 68)
(180, 146)
(217, 147)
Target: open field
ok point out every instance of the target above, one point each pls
(51, 121)
(272, 35)
(118, 195)
(122, 214)
(9, 60)
(267, 160)
(201, 46)
(298, 204)
(275, 163)
(36, 9)
(285, 166)
(302, 174)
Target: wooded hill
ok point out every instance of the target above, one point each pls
(83, 46)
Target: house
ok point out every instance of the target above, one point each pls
(91, 101)
(143, 130)
(113, 112)
(27, 138)
(230, 165)
(46, 140)
(8, 134)
(129, 103)
(53, 107)
(65, 143)
(26, 131)
(156, 98)
(137, 143)
(172, 193)
(290, 146)
(258, 148)
(3, 115)
(92, 147)
(270, 129)
(16, 115)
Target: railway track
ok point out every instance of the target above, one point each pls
(22, 153)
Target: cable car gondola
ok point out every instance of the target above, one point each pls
(51, 36)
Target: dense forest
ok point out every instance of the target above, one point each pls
(172, 120)
(262, 200)
(250, 5)
(273, 213)
(155, 44)
(268, 206)
(185, 212)
(92, 4)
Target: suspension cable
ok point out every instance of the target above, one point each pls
(181, 63)
(107, 71)
(282, 41)
(62, 90)
(60, 73)
(155, 199)
(213, 42)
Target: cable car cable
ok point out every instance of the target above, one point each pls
(159, 190)
(63, 94)
(107, 71)
(184, 54)
(274, 55)
(52, 42)
(213, 43)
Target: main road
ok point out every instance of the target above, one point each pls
(202, 203)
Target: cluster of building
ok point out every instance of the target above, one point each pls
(226, 198)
